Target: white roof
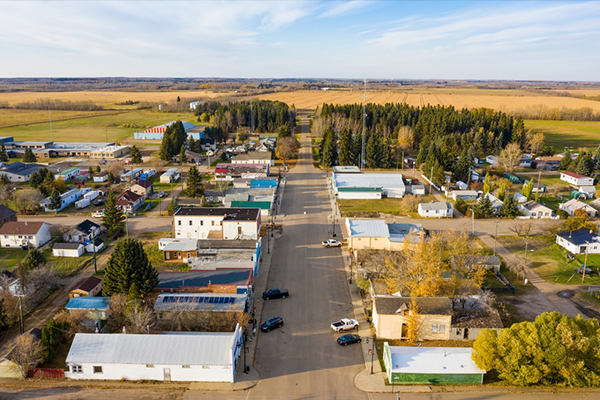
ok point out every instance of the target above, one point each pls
(433, 360)
(465, 192)
(436, 205)
(199, 348)
(368, 180)
(574, 204)
(368, 228)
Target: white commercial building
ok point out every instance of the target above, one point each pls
(181, 356)
(367, 186)
(217, 223)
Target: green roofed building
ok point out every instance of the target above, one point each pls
(431, 365)
(265, 206)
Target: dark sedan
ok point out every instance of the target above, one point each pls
(348, 339)
(272, 323)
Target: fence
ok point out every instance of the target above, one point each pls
(53, 373)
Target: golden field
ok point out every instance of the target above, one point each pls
(501, 99)
(581, 92)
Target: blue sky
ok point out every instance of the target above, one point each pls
(535, 40)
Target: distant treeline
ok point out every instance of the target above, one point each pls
(262, 115)
(45, 104)
(540, 111)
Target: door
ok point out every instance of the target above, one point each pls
(168, 255)
(404, 333)
(466, 335)
(167, 373)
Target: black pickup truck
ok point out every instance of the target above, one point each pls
(275, 294)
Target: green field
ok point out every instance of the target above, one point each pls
(563, 134)
(115, 127)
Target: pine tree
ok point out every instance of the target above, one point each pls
(566, 161)
(423, 153)
(55, 201)
(113, 220)
(509, 208)
(373, 150)
(483, 208)
(166, 148)
(386, 155)
(36, 179)
(136, 156)
(3, 153)
(28, 156)
(585, 166)
(98, 169)
(194, 183)
(596, 158)
(439, 178)
(5, 180)
(191, 144)
(346, 156)
(182, 156)
(33, 259)
(127, 266)
(329, 149)
(110, 177)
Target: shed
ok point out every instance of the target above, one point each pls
(431, 365)
(180, 356)
(97, 307)
(87, 287)
(67, 250)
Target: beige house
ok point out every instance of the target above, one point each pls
(392, 316)
(534, 210)
(143, 188)
(376, 234)
(468, 322)
(87, 287)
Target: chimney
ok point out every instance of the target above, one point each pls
(124, 329)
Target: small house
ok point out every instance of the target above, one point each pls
(576, 179)
(129, 201)
(579, 241)
(431, 365)
(573, 205)
(437, 209)
(132, 175)
(467, 323)
(170, 176)
(87, 287)
(101, 177)
(143, 187)
(178, 250)
(589, 191)
(534, 210)
(17, 235)
(67, 250)
(67, 174)
(83, 232)
(67, 199)
(466, 195)
(492, 160)
(94, 245)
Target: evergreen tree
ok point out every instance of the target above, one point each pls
(5, 180)
(481, 141)
(346, 156)
(191, 144)
(136, 156)
(284, 131)
(33, 259)
(55, 200)
(194, 183)
(329, 149)
(357, 148)
(3, 153)
(127, 266)
(373, 151)
(166, 148)
(585, 166)
(91, 170)
(509, 208)
(48, 180)
(439, 178)
(36, 179)
(596, 158)
(483, 208)
(110, 177)
(113, 220)
(566, 161)
(386, 155)
(422, 157)
(98, 169)
(182, 156)
(28, 156)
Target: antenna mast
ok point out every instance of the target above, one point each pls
(364, 131)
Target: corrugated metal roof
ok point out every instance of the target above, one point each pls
(214, 302)
(368, 228)
(88, 303)
(368, 180)
(201, 348)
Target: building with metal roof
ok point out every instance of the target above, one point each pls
(225, 280)
(579, 241)
(97, 307)
(192, 357)
(200, 302)
(368, 186)
(376, 234)
(436, 209)
(18, 171)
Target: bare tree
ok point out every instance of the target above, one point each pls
(26, 354)
(488, 299)
(410, 203)
(521, 228)
(286, 147)
(5, 193)
(185, 319)
(27, 200)
(76, 321)
(40, 281)
(140, 319)
(509, 157)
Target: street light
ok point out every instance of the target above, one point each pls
(372, 351)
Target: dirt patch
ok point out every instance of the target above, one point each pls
(528, 306)
(77, 393)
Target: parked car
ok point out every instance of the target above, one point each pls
(98, 202)
(98, 214)
(348, 339)
(275, 294)
(331, 243)
(345, 324)
(588, 270)
(161, 194)
(272, 323)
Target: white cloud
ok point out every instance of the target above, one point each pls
(343, 8)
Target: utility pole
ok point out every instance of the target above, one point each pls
(585, 262)
(364, 131)
(94, 245)
(496, 236)
(22, 323)
(472, 222)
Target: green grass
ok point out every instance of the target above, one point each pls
(155, 256)
(548, 260)
(94, 128)
(563, 134)
(364, 208)
(64, 266)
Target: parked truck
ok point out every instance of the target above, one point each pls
(345, 324)
(275, 294)
(83, 203)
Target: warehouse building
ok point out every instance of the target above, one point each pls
(157, 132)
(367, 186)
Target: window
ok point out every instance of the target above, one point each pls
(5, 236)
(201, 223)
(434, 328)
(185, 366)
(97, 369)
(212, 223)
(149, 365)
(442, 328)
(20, 237)
(190, 222)
(77, 369)
(179, 222)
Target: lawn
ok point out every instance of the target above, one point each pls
(64, 266)
(549, 262)
(103, 126)
(155, 256)
(366, 208)
(563, 134)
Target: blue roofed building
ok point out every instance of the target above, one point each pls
(224, 280)
(97, 307)
(577, 242)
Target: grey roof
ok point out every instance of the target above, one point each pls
(476, 260)
(67, 246)
(476, 318)
(399, 232)
(254, 155)
(6, 212)
(269, 191)
(226, 244)
(437, 205)
(181, 245)
(19, 168)
(217, 302)
(200, 279)
(201, 348)
(368, 180)
(465, 192)
(532, 204)
(368, 228)
(428, 305)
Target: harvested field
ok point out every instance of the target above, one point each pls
(581, 92)
(563, 134)
(502, 99)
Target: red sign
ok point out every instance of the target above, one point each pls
(247, 350)
(370, 351)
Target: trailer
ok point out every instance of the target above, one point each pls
(91, 195)
(83, 203)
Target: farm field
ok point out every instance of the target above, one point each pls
(118, 126)
(502, 99)
(106, 98)
(563, 134)
(581, 92)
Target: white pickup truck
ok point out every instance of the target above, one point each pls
(345, 324)
(331, 243)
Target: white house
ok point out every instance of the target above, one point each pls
(171, 175)
(437, 209)
(254, 157)
(194, 104)
(577, 241)
(100, 177)
(572, 205)
(17, 234)
(67, 199)
(187, 357)
(576, 179)
(67, 250)
(492, 160)
(589, 191)
(217, 223)
(534, 210)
